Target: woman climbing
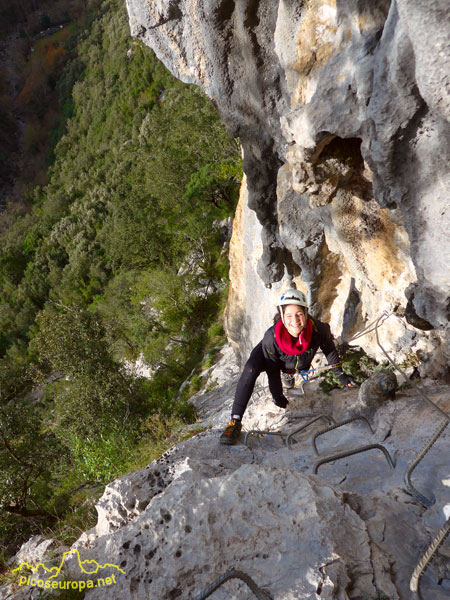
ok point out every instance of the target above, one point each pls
(286, 348)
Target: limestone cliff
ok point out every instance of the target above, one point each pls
(342, 108)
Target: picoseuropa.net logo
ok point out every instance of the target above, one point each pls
(47, 579)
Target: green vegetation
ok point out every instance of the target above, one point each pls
(355, 362)
(120, 258)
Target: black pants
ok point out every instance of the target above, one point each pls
(255, 365)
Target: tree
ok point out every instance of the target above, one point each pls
(92, 394)
(25, 485)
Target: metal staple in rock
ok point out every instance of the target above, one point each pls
(352, 452)
(279, 433)
(329, 418)
(336, 426)
(413, 464)
(235, 574)
(442, 534)
(262, 432)
(293, 416)
(414, 585)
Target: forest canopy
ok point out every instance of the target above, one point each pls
(121, 258)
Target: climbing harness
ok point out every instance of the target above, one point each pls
(355, 451)
(235, 574)
(336, 426)
(414, 584)
(305, 374)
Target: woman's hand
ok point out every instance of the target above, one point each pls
(347, 380)
(281, 402)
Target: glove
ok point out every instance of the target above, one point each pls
(281, 402)
(346, 380)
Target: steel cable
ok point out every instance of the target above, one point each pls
(414, 585)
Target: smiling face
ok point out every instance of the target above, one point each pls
(294, 319)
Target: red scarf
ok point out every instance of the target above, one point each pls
(290, 345)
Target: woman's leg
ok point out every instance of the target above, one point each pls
(275, 385)
(246, 383)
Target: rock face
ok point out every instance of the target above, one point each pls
(342, 109)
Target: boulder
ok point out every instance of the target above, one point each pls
(376, 390)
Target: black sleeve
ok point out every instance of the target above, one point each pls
(269, 347)
(329, 349)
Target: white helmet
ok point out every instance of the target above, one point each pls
(292, 296)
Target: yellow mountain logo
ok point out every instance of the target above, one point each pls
(88, 567)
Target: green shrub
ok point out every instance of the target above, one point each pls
(356, 363)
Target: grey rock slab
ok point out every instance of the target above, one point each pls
(127, 497)
(256, 519)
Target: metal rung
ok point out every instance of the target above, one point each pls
(355, 451)
(279, 433)
(262, 432)
(328, 418)
(332, 427)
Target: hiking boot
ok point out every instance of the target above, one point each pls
(232, 432)
(288, 380)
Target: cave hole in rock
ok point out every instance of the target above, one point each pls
(224, 10)
(347, 151)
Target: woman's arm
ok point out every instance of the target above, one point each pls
(329, 349)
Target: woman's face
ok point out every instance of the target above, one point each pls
(294, 319)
